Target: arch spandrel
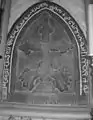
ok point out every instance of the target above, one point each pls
(45, 65)
(75, 8)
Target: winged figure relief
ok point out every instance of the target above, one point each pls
(42, 56)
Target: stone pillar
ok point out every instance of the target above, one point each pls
(90, 56)
(4, 28)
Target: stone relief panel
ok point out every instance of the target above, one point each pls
(19, 6)
(45, 58)
(44, 62)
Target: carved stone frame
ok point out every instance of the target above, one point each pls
(58, 111)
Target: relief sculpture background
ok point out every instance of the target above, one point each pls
(45, 58)
(45, 70)
(44, 63)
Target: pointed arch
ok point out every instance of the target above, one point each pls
(67, 21)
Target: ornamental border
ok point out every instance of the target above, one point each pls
(19, 25)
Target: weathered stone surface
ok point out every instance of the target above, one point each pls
(74, 7)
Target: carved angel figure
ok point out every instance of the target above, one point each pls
(41, 56)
